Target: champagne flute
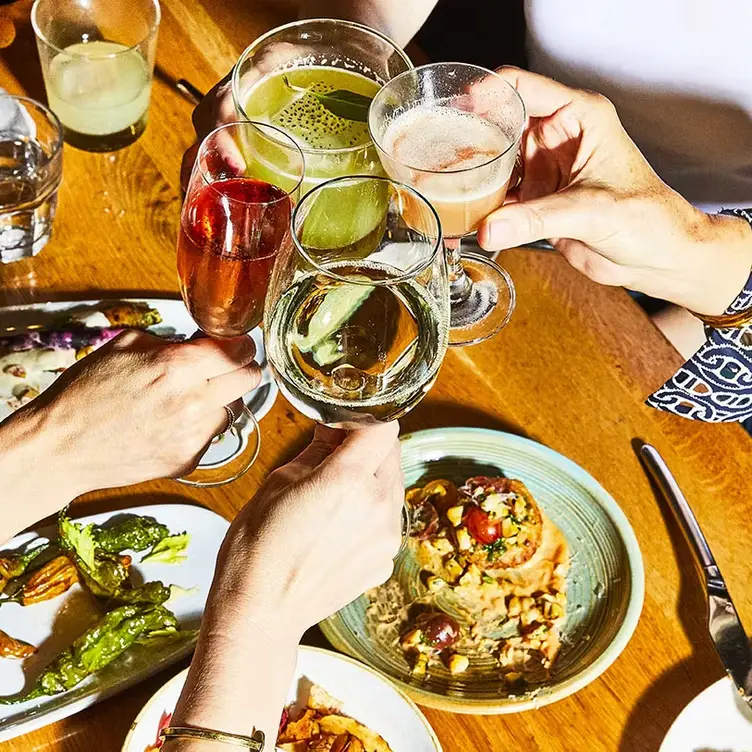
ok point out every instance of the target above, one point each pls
(452, 130)
(234, 223)
(357, 315)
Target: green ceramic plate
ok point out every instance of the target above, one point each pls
(605, 583)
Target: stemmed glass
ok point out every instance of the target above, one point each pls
(357, 315)
(452, 130)
(234, 223)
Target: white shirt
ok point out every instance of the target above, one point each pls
(679, 73)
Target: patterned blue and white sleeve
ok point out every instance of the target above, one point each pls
(715, 384)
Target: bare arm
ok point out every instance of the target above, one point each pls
(398, 19)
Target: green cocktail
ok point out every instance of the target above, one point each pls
(314, 79)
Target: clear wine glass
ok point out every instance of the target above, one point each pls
(235, 221)
(452, 130)
(356, 319)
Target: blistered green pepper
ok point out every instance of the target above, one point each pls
(99, 646)
(155, 593)
(132, 534)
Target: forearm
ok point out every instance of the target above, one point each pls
(397, 19)
(36, 478)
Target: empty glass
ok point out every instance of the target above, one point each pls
(31, 166)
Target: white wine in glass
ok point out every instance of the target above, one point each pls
(356, 325)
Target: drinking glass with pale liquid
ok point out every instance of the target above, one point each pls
(452, 131)
(315, 80)
(98, 62)
(357, 314)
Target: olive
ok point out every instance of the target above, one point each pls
(439, 629)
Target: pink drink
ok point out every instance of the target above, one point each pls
(458, 160)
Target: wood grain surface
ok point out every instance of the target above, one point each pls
(571, 371)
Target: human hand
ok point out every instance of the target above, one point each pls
(321, 531)
(588, 189)
(139, 408)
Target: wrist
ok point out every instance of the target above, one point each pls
(37, 471)
(716, 263)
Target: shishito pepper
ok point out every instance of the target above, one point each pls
(56, 577)
(98, 647)
(10, 647)
(132, 534)
(14, 566)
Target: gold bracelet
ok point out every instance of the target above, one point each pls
(255, 742)
(737, 320)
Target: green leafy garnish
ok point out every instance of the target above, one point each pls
(170, 550)
(348, 105)
(496, 549)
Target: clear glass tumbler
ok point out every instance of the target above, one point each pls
(31, 166)
(98, 62)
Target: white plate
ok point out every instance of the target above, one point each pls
(717, 720)
(54, 624)
(175, 320)
(365, 695)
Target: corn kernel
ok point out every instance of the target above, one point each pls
(454, 515)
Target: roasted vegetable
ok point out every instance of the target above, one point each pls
(104, 573)
(53, 579)
(170, 550)
(10, 647)
(155, 593)
(132, 534)
(17, 564)
(73, 339)
(133, 315)
(97, 647)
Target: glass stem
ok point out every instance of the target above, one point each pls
(459, 283)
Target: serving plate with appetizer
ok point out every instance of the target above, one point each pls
(521, 582)
(89, 607)
(334, 704)
(39, 341)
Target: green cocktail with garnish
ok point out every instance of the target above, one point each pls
(314, 79)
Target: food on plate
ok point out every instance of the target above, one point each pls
(492, 585)
(94, 557)
(131, 534)
(164, 722)
(170, 550)
(10, 647)
(98, 647)
(320, 726)
(31, 361)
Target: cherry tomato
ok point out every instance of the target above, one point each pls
(439, 629)
(481, 526)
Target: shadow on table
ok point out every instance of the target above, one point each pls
(437, 414)
(669, 694)
(22, 60)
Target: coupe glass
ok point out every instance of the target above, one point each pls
(318, 56)
(357, 315)
(452, 131)
(235, 221)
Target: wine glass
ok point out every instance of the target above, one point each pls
(356, 319)
(235, 221)
(283, 76)
(452, 131)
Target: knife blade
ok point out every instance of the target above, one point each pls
(725, 626)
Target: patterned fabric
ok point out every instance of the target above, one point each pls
(715, 384)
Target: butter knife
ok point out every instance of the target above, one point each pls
(724, 625)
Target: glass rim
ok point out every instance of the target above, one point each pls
(53, 118)
(405, 276)
(257, 126)
(235, 80)
(459, 171)
(80, 56)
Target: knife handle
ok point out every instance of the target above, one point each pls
(663, 477)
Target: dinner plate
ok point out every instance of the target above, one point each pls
(717, 720)
(365, 695)
(175, 320)
(605, 584)
(53, 625)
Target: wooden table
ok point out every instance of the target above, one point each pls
(571, 371)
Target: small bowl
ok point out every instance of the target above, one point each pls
(605, 585)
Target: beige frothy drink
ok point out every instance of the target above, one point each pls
(458, 160)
